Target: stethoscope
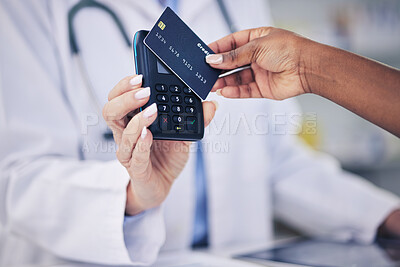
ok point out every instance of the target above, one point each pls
(75, 50)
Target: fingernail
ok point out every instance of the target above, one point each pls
(218, 92)
(150, 111)
(136, 80)
(216, 104)
(214, 59)
(145, 92)
(144, 133)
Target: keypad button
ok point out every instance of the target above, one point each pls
(177, 109)
(162, 98)
(179, 128)
(163, 108)
(177, 119)
(189, 99)
(191, 124)
(176, 99)
(187, 90)
(175, 89)
(161, 87)
(165, 122)
(190, 110)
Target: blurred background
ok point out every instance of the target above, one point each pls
(370, 28)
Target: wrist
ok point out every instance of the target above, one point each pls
(132, 205)
(309, 65)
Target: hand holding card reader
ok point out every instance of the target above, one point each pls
(180, 111)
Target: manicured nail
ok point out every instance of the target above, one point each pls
(214, 59)
(145, 92)
(136, 80)
(144, 133)
(218, 92)
(215, 104)
(150, 110)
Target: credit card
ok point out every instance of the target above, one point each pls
(183, 52)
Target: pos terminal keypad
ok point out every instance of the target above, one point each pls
(180, 111)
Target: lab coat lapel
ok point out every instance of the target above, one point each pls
(59, 9)
(239, 198)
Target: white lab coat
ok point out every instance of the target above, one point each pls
(55, 207)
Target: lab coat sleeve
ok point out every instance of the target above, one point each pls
(71, 208)
(75, 209)
(313, 194)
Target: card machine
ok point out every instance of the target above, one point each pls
(180, 111)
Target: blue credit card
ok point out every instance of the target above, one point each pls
(181, 50)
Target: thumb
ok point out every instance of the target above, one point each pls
(209, 109)
(235, 58)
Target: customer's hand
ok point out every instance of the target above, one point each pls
(390, 228)
(152, 166)
(275, 56)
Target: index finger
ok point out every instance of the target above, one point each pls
(125, 85)
(238, 39)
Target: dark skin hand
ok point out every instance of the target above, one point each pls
(284, 65)
(390, 228)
